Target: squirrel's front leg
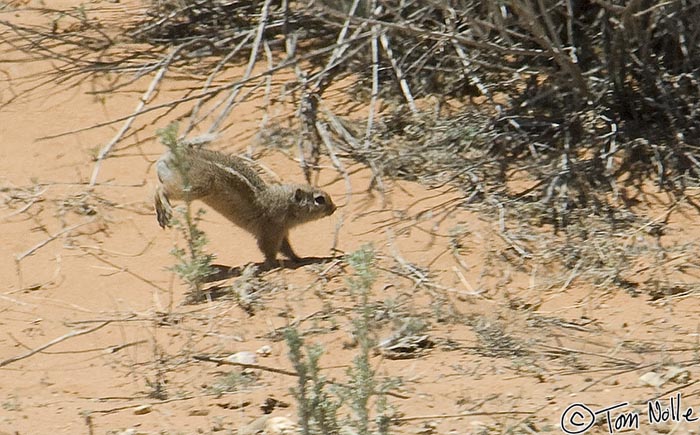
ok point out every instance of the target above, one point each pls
(269, 243)
(287, 250)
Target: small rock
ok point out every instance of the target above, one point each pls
(652, 379)
(677, 374)
(143, 409)
(271, 403)
(255, 426)
(218, 424)
(427, 428)
(479, 427)
(198, 412)
(131, 431)
(280, 426)
(673, 373)
(244, 357)
(264, 351)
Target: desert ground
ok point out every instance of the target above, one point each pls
(97, 335)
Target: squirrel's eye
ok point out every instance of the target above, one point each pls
(320, 200)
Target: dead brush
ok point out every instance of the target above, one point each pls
(85, 203)
(585, 94)
(566, 223)
(21, 199)
(495, 341)
(625, 252)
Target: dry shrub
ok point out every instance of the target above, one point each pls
(584, 99)
(595, 89)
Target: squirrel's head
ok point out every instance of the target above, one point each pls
(311, 203)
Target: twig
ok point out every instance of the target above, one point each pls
(286, 64)
(22, 210)
(53, 342)
(210, 79)
(442, 36)
(672, 390)
(467, 64)
(519, 249)
(325, 137)
(413, 271)
(502, 233)
(124, 269)
(375, 86)
(248, 70)
(465, 414)
(45, 242)
(33, 199)
(341, 49)
(583, 352)
(109, 349)
(574, 273)
(470, 290)
(339, 128)
(139, 109)
(267, 101)
(136, 405)
(15, 301)
(279, 371)
(399, 74)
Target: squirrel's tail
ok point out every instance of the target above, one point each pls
(198, 141)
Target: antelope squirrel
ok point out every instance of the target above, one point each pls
(231, 187)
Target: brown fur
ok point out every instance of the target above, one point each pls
(231, 187)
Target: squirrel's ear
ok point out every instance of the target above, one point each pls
(298, 195)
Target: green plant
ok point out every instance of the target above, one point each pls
(194, 264)
(364, 383)
(317, 400)
(362, 376)
(317, 408)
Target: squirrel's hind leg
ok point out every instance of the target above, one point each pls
(164, 210)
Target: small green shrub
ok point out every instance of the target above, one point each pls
(319, 400)
(194, 264)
